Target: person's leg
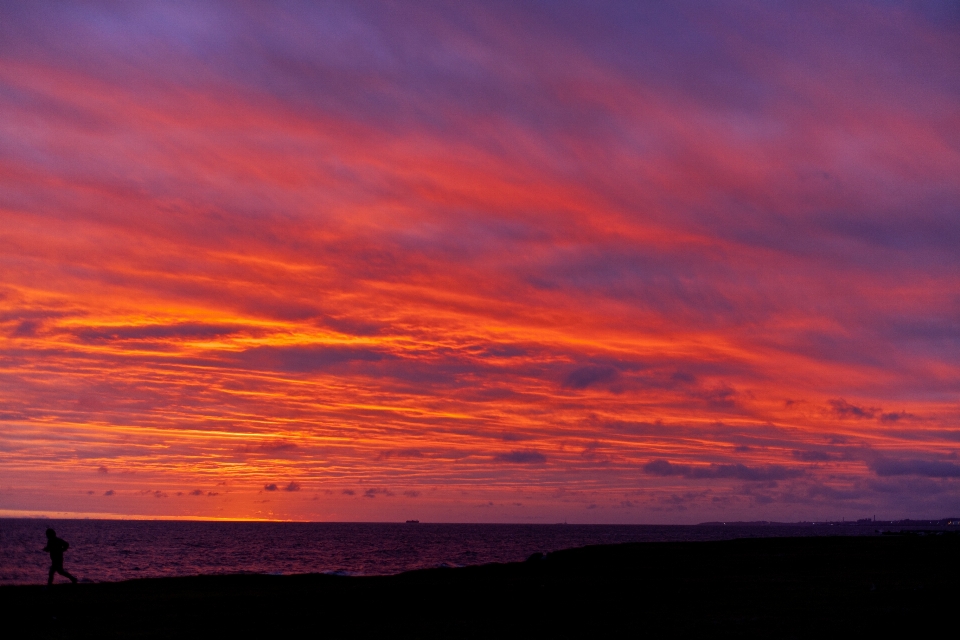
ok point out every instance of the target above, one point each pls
(50, 577)
(66, 574)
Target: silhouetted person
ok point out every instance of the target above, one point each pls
(55, 547)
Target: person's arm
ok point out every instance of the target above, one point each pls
(64, 545)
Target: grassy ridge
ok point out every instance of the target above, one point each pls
(775, 587)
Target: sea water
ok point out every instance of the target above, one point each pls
(111, 550)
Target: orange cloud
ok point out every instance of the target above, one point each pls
(642, 277)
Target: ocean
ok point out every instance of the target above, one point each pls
(113, 550)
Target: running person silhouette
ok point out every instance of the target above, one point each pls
(55, 547)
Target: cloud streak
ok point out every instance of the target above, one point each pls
(572, 251)
(720, 471)
(924, 468)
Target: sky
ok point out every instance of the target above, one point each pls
(480, 262)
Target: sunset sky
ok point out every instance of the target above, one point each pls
(480, 262)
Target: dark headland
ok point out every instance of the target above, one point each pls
(765, 587)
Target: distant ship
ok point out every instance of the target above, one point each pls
(413, 522)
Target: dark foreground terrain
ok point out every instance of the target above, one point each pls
(774, 587)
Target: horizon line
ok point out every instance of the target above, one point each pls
(15, 514)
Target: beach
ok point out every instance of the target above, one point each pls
(767, 587)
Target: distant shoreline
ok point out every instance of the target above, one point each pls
(864, 522)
